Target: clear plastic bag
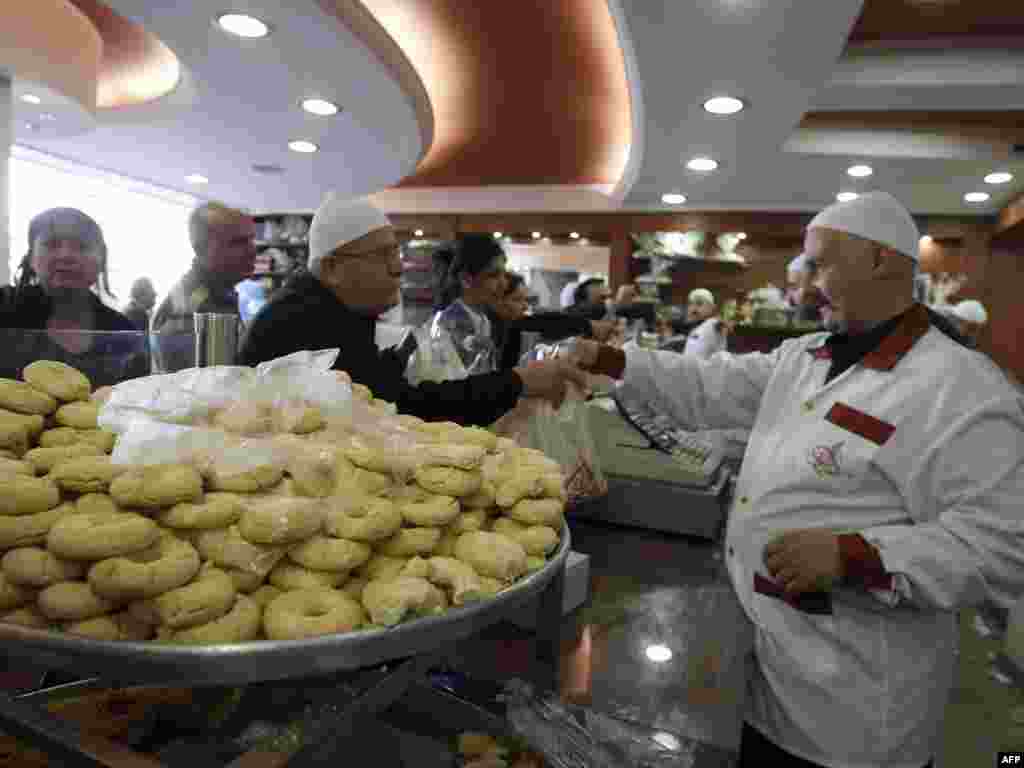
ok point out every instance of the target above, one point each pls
(435, 358)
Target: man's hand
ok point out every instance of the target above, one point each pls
(602, 329)
(548, 379)
(805, 561)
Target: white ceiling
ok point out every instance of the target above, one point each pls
(245, 109)
(785, 57)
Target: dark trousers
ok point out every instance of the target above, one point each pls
(757, 752)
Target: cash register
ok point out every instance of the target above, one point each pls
(660, 476)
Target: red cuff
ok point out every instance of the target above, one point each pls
(610, 362)
(862, 565)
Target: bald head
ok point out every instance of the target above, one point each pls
(222, 238)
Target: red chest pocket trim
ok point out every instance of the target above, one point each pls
(860, 423)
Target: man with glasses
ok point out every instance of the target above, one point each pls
(354, 277)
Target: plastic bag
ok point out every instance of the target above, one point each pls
(435, 358)
(564, 436)
(579, 737)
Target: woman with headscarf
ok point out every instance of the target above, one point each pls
(54, 311)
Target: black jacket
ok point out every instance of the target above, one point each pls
(550, 325)
(118, 352)
(305, 315)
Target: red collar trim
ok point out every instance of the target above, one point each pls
(885, 356)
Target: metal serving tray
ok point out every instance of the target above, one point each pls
(155, 663)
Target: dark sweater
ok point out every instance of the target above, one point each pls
(306, 315)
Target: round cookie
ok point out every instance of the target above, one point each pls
(97, 536)
(409, 542)
(114, 627)
(538, 512)
(83, 415)
(14, 595)
(206, 599)
(29, 616)
(448, 481)
(38, 568)
(281, 520)
(59, 380)
(26, 530)
(215, 510)
(311, 613)
(491, 554)
(360, 517)
(265, 594)
(251, 481)
(227, 548)
(72, 601)
(23, 495)
(389, 602)
(382, 567)
(44, 460)
(20, 397)
(158, 486)
(537, 540)
(53, 438)
(323, 553)
(435, 512)
(87, 474)
(165, 565)
(96, 502)
(240, 624)
(16, 467)
(289, 576)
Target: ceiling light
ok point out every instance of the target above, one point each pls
(240, 25)
(976, 197)
(195, 178)
(723, 105)
(536, 235)
(860, 171)
(418, 233)
(673, 199)
(574, 235)
(926, 239)
(320, 107)
(31, 98)
(306, 147)
(658, 653)
(845, 197)
(741, 235)
(498, 235)
(47, 117)
(999, 177)
(702, 164)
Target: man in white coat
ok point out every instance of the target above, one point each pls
(880, 494)
(712, 335)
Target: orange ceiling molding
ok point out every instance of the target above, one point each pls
(136, 67)
(1010, 223)
(994, 126)
(521, 94)
(52, 43)
(358, 19)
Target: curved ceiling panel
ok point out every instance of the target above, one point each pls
(136, 67)
(52, 43)
(520, 96)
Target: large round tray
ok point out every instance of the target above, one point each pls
(154, 663)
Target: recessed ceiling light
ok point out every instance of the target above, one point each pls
(320, 107)
(31, 98)
(658, 653)
(574, 235)
(243, 26)
(860, 171)
(498, 235)
(723, 105)
(418, 233)
(673, 199)
(741, 235)
(702, 164)
(845, 197)
(976, 197)
(195, 178)
(999, 177)
(536, 235)
(306, 147)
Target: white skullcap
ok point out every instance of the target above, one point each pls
(876, 216)
(971, 312)
(797, 265)
(702, 294)
(339, 221)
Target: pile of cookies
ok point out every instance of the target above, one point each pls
(349, 533)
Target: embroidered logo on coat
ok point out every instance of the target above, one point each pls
(826, 460)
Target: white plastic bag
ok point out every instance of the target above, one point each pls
(435, 358)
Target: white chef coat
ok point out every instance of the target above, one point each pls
(706, 339)
(940, 500)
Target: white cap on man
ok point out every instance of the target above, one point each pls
(875, 216)
(971, 311)
(701, 294)
(339, 221)
(797, 265)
